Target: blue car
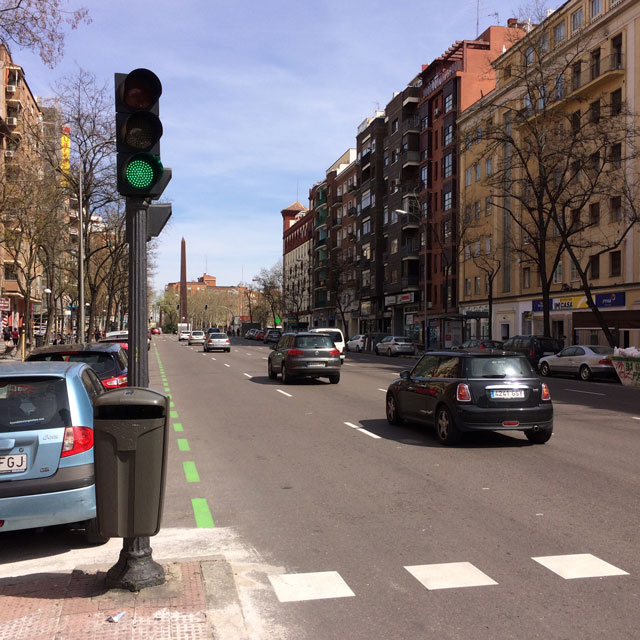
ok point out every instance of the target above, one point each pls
(46, 446)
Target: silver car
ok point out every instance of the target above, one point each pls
(196, 337)
(584, 361)
(395, 346)
(218, 341)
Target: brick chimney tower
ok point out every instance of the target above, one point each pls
(183, 282)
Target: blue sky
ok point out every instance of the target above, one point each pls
(259, 99)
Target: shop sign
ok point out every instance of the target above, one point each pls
(478, 308)
(5, 304)
(389, 300)
(602, 300)
(408, 319)
(405, 297)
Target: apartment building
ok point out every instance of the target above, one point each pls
(297, 266)
(368, 223)
(567, 99)
(401, 213)
(449, 84)
(20, 133)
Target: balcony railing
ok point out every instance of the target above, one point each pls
(410, 281)
(410, 157)
(353, 187)
(411, 124)
(320, 221)
(352, 211)
(410, 251)
(606, 64)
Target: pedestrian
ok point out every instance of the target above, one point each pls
(96, 334)
(15, 336)
(6, 334)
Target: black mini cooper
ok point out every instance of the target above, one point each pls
(472, 391)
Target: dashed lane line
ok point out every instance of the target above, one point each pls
(202, 514)
(190, 471)
(183, 444)
(248, 375)
(227, 365)
(177, 426)
(358, 428)
(593, 393)
(284, 393)
(383, 390)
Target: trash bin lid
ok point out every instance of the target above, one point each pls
(130, 401)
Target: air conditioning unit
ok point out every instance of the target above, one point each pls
(9, 153)
(436, 112)
(11, 88)
(12, 122)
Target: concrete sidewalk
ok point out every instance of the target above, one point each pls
(198, 600)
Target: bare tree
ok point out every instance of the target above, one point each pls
(270, 284)
(38, 25)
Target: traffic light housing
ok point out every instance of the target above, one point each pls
(138, 133)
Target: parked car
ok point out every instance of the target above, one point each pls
(479, 391)
(310, 355)
(395, 346)
(217, 341)
(533, 347)
(480, 343)
(249, 335)
(213, 330)
(259, 334)
(584, 361)
(356, 343)
(46, 459)
(196, 337)
(272, 335)
(336, 335)
(122, 338)
(108, 360)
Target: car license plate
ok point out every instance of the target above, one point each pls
(14, 463)
(507, 393)
(316, 364)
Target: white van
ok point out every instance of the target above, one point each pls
(336, 335)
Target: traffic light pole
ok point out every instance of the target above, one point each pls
(136, 569)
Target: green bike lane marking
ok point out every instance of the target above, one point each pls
(201, 511)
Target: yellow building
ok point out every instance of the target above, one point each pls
(549, 179)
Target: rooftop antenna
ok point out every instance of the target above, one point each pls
(477, 18)
(495, 15)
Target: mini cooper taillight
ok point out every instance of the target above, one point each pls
(545, 392)
(76, 440)
(462, 393)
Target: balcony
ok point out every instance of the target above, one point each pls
(410, 252)
(320, 221)
(409, 220)
(352, 187)
(321, 199)
(320, 302)
(337, 222)
(352, 211)
(321, 243)
(410, 282)
(410, 158)
(411, 124)
(337, 199)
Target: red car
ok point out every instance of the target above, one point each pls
(258, 335)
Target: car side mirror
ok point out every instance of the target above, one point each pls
(405, 375)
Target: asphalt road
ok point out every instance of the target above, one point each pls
(345, 527)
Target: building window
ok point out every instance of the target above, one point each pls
(479, 133)
(594, 214)
(615, 205)
(366, 278)
(487, 245)
(615, 264)
(476, 281)
(595, 64)
(476, 251)
(595, 8)
(447, 166)
(467, 252)
(478, 171)
(574, 272)
(487, 206)
(557, 274)
(394, 276)
(544, 42)
(446, 231)
(577, 18)
(447, 201)
(528, 56)
(10, 272)
(616, 155)
(488, 166)
(468, 176)
(394, 245)
(467, 287)
(366, 251)
(594, 267)
(526, 278)
(558, 90)
(448, 135)
(394, 126)
(616, 102)
(558, 32)
(366, 226)
(477, 209)
(594, 111)
(448, 103)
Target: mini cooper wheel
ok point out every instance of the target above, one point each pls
(446, 430)
(393, 415)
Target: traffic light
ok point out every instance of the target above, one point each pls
(138, 133)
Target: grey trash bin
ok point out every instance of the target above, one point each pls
(130, 453)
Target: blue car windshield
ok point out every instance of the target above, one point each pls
(33, 403)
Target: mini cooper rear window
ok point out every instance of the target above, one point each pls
(504, 367)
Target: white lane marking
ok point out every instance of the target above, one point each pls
(579, 565)
(248, 376)
(226, 365)
(213, 358)
(593, 393)
(635, 418)
(383, 390)
(284, 393)
(358, 428)
(348, 364)
(264, 358)
(296, 587)
(248, 354)
(450, 575)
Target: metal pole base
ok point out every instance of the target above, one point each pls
(135, 569)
